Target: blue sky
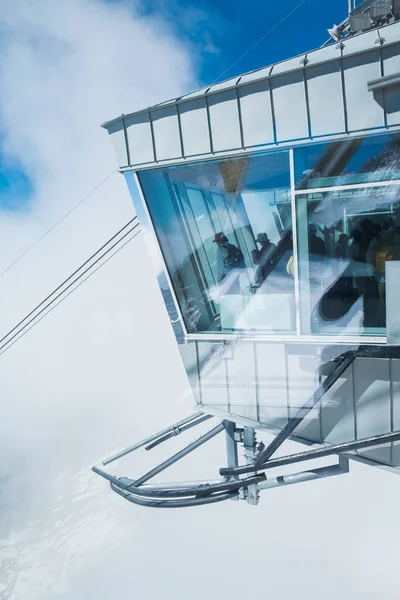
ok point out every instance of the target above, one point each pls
(231, 27)
(219, 32)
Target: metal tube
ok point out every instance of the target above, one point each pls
(301, 477)
(173, 459)
(341, 367)
(177, 430)
(377, 440)
(174, 503)
(153, 437)
(200, 490)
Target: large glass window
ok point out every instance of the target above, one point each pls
(351, 161)
(345, 239)
(225, 231)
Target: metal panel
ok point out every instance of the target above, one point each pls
(392, 302)
(213, 383)
(229, 83)
(364, 110)
(322, 55)
(290, 106)
(391, 98)
(358, 43)
(337, 411)
(189, 356)
(326, 99)
(391, 66)
(117, 134)
(289, 65)
(255, 104)
(255, 75)
(224, 118)
(372, 396)
(194, 125)
(196, 94)
(138, 132)
(391, 33)
(302, 383)
(166, 133)
(395, 368)
(271, 384)
(242, 381)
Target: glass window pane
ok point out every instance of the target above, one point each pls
(225, 231)
(352, 161)
(345, 239)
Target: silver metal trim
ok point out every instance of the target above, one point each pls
(348, 187)
(261, 148)
(165, 269)
(295, 247)
(239, 108)
(180, 131)
(306, 339)
(209, 125)
(383, 82)
(153, 139)
(128, 153)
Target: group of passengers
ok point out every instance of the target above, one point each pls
(266, 258)
(366, 252)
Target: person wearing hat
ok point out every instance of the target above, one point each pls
(228, 256)
(265, 257)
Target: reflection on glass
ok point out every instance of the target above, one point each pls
(225, 231)
(345, 240)
(351, 161)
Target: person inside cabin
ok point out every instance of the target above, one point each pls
(316, 244)
(342, 249)
(230, 261)
(265, 258)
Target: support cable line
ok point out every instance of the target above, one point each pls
(68, 279)
(262, 38)
(39, 239)
(47, 305)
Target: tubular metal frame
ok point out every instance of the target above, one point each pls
(258, 457)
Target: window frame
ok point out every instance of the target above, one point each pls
(294, 194)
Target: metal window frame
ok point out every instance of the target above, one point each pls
(261, 336)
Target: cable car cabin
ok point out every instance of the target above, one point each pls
(272, 201)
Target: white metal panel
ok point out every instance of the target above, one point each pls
(229, 83)
(166, 133)
(138, 131)
(364, 109)
(337, 411)
(372, 396)
(288, 65)
(224, 118)
(390, 33)
(256, 75)
(391, 59)
(392, 302)
(323, 54)
(325, 99)
(272, 384)
(242, 381)
(358, 43)
(194, 124)
(395, 371)
(290, 106)
(117, 135)
(196, 94)
(302, 383)
(255, 106)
